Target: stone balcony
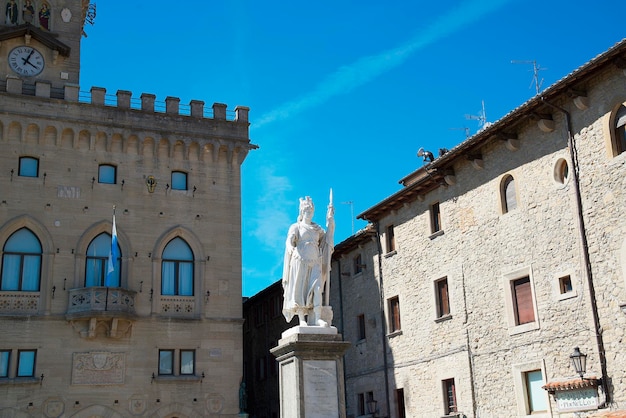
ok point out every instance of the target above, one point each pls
(101, 311)
(19, 303)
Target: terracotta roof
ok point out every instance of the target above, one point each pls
(609, 414)
(588, 382)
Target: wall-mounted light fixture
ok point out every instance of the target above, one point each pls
(151, 293)
(140, 283)
(371, 406)
(123, 184)
(54, 289)
(152, 380)
(11, 174)
(41, 379)
(93, 180)
(579, 361)
(64, 280)
(208, 293)
(194, 191)
(44, 178)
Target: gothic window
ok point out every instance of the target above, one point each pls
(21, 262)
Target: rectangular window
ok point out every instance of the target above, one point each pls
(107, 174)
(535, 395)
(391, 239)
(5, 357)
(361, 404)
(401, 412)
(394, 314)
(565, 284)
(435, 218)
(166, 362)
(358, 264)
(449, 394)
(29, 167)
(26, 363)
(443, 302)
(361, 326)
(179, 180)
(523, 301)
(187, 361)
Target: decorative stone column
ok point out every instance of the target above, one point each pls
(311, 372)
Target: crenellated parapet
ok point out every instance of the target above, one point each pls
(122, 123)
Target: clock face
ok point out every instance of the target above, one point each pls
(26, 61)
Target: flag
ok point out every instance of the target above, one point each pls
(111, 279)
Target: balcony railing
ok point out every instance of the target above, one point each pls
(107, 301)
(19, 303)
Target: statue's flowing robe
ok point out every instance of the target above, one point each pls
(305, 270)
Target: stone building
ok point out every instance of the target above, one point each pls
(150, 325)
(497, 261)
(264, 324)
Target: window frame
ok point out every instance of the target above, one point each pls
(508, 198)
(618, 131)
(393, 306)
(179, 173)
(450, 405)
(20, 352)
(435, 218)
(357, 264)
(521, 390)
(101, 262)
(512, 311)
(172, 353)
(22, 257)
(103, 176)
(181, 364)
(442, 298)
(178, 265)
(5, 363)
(390, 239)
(20, 171)
(360, 324)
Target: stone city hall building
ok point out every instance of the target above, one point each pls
(159, 334)
(499, 263)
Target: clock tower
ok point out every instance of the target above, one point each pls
(40, 41)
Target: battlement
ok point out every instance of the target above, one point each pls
(124, 99)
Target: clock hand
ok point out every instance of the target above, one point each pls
(27, 59)
(31, 64)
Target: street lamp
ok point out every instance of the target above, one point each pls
(371, 406)
(579, 361)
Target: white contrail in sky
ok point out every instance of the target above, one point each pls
(362, 71)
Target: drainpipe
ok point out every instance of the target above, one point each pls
(583, 236)
(383, 323)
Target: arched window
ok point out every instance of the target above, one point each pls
(508, 196)
(96, 265)
(21, 262)
(177, 269)
(619, 143)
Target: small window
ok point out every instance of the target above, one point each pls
(107, 174)
(565, 284)
(360, 319)
(400, 406)
(391, 239)
(166, 362)
(443, 302)
(435, 218)
(179, 180)
(29, 167)
(26, 363)
(5, 357)
(363, 400)
(358, 264)
(449, 393)
(187, 362)
(523, 301)
(535, 394)
(619, 142)
(508, 195)
(394, 314)
(561, 171)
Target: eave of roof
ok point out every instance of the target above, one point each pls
(45, 37)
(430, 176)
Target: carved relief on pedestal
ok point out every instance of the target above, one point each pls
(53, 407)
(98, 368)
(137, 405)
(215, 403)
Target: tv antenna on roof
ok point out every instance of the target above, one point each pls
(536, 69)
(481, 117)
(467, 131)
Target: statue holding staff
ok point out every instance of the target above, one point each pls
(307, 265)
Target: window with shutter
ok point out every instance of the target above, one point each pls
(509, 197)
(619, 140)
(523, 301)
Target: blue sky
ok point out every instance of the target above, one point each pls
(342, 94)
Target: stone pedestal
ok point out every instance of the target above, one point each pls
(311, 372)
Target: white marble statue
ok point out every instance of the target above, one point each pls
(307, 266)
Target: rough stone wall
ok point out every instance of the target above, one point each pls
(482, 249)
